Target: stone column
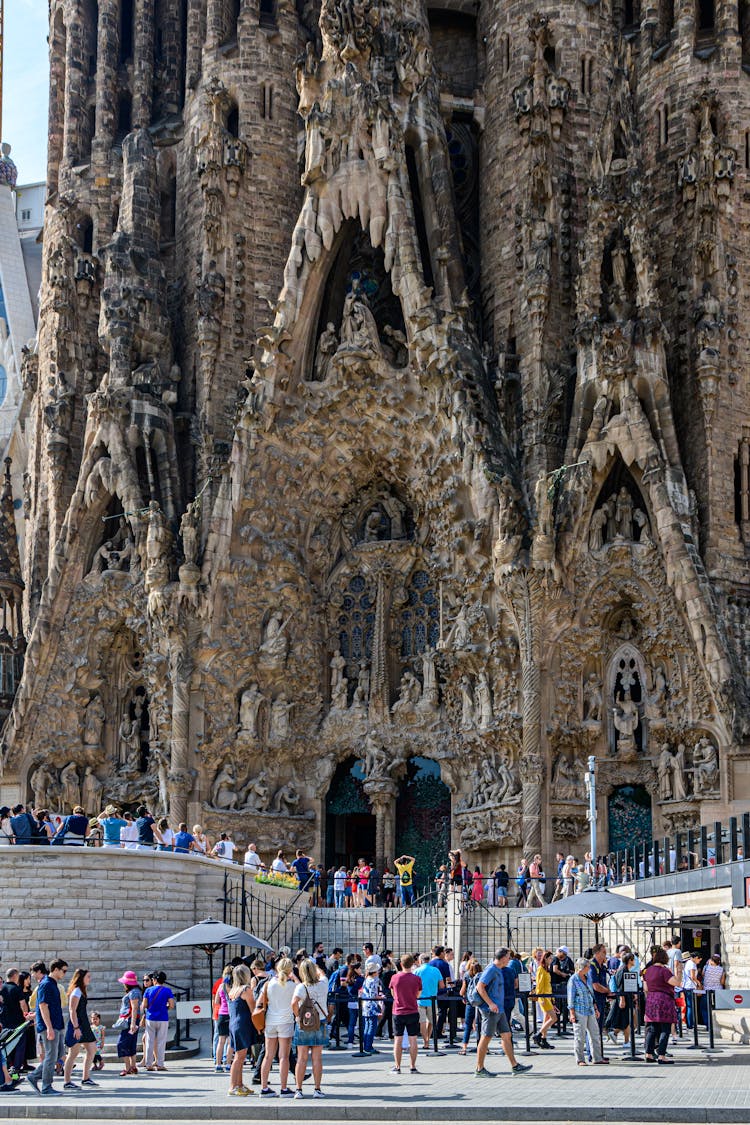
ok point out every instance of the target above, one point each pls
(143, 63)
(379, 686)
(107, 54)
(382, 797)
(180, 774)
(525, 597)
(75, 83)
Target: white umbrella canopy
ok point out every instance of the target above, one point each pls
(596, 905)
(210, 935)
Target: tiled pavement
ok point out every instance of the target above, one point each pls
(700, 1087)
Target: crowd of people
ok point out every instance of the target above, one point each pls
(45, 1027)
(285, 1010)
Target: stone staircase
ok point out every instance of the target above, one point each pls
(396, 928)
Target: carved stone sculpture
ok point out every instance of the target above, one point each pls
(250, 704)
(93, 722)
(40, 782)
(275, 644)
(592, 699)
(70, 786)
(286, 800)
(705, 768)
(224, 788)
(567, 781)
(255, 794)
(130, 743)
(91, 792)
(483, 702)
(281, 710)
(626, 721)
(467, 702)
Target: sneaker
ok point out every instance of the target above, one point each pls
(218, 1070)
(483, 1072)
(51, 1092)
(519, 1068)
(413, 1070)
(70, 1086)
(546, 1045)
(286, 1093)
(318, 1094)
(7, 1088)
(395, 1070)
(298, 1094)
(268, 1093)
(34, 1082)
(238, 1092)
(88, 1082)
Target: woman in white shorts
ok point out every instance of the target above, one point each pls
(276, 998)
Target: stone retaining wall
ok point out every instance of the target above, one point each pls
(102, 908)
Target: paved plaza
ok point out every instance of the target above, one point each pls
(702, 1086)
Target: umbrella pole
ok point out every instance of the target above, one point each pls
(210, 973)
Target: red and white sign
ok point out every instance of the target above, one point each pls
(727, 1000)
(193, 1009)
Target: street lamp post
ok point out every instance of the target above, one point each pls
(591, 792)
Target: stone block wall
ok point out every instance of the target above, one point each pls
(102, 909)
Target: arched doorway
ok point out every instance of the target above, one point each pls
(629, 817)
(350, 825)
(423, 818)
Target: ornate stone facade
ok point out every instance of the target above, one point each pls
(396, 415)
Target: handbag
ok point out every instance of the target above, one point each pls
(258, 1014)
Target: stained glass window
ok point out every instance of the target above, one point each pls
(420, 617)
(356, 622)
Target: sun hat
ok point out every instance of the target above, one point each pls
(129, 978)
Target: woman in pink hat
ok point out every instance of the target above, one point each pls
(127, 1044)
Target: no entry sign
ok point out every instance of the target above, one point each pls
(727, 999)
(193, 1009)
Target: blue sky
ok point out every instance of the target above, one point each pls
(25, 84)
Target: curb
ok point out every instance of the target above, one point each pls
(330, 1111)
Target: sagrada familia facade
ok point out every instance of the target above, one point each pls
(388, 425)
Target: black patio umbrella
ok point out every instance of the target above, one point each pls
(596, 905)
(210, 935)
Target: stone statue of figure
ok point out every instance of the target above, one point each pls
(461, 631)
(275, 644)
(91, 792)
(592, 699)
(93, 722)
(705, 768)
(40, 782)
(189, 530)
(337, 666)
(281, 717)
(363, 679)
(507, 783)
(596, 529)
(566, 781)
(375, 759)
(255, 794)
(130, 737)
(250, 705)
(467, 702)
(624, 514)
(679, 785)
(163, 763)
(664, 772)
(327, 345)
(70, 786)
(286, 799)
(409, 692)
(543, 506)
(626, 720)
(340, 695)
(158, 537)
(708, 320)
(359, 332)
(429, 698)
(483, 701)
(224, 788)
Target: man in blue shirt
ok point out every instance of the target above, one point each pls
(144, 824)
(432, 983)
(184, 840)
(598, 979)
(491, 989)
(301, 867)
(50, 1025)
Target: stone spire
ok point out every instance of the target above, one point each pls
(12, 641)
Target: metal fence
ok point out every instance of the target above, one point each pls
(706, 846)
